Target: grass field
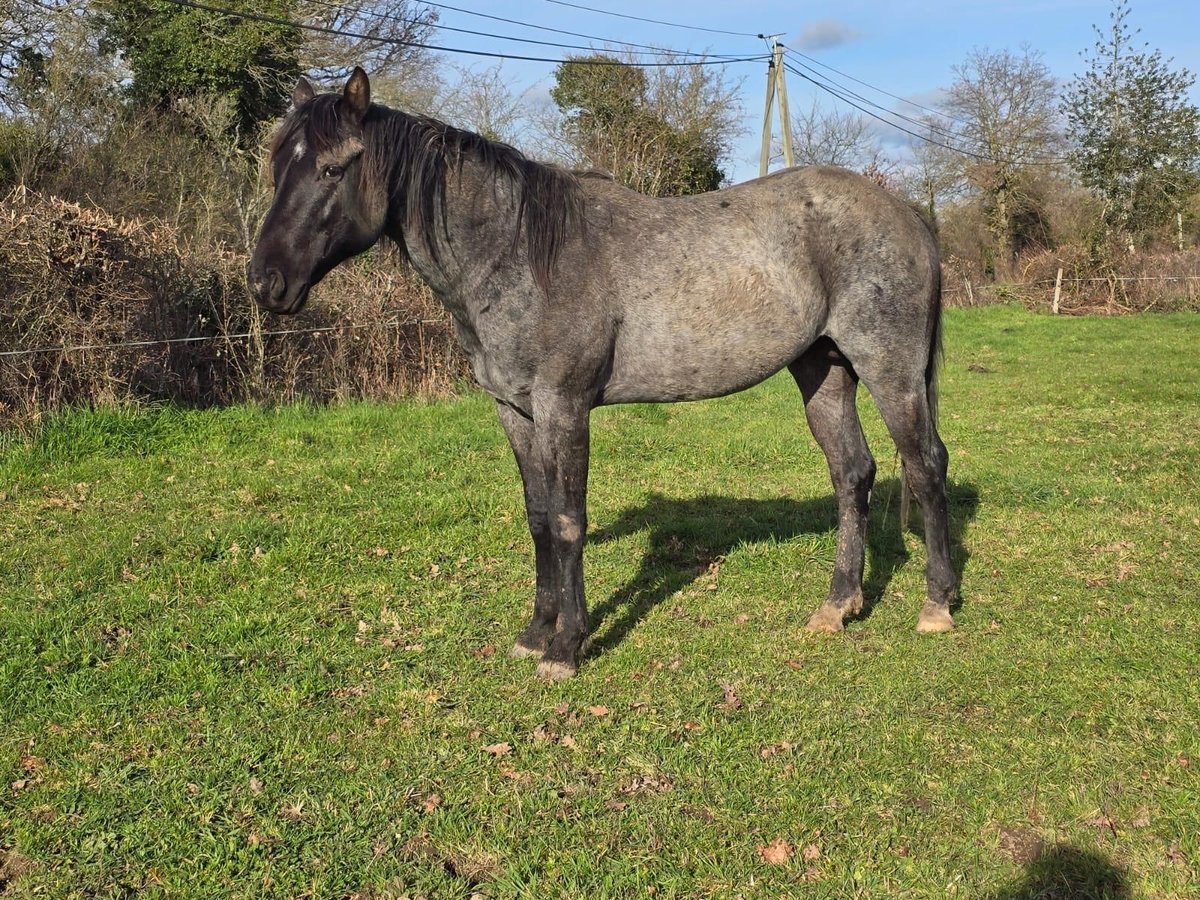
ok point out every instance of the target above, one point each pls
(263, 653)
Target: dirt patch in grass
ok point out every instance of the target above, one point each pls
(1021, 845)
(13, 866)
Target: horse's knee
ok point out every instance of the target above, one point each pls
(567, 530)
(856, 476)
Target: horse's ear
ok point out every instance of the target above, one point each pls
(358, 94)
(302, 93)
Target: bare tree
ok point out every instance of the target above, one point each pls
(62, 92)
(830, 138)
(27, 30)
(481, 100)
(935, 175)
(1004, 111)
(379, 36)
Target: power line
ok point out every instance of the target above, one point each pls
(379, 17)
(931, 125)
(547, 28)
(277, 20)
(606, 12)
(823, 86)
(1049, 162)
(866, 84)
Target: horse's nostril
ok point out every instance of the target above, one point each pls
(276, 285)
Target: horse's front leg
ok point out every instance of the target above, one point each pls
(561, 440)
(536, 637)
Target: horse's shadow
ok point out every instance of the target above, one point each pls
(687, 536)
(1064, 872)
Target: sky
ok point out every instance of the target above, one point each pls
(905, 48)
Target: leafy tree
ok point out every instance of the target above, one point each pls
(1135, 133)
(1002, 109)
(179, 52)
(663, 132)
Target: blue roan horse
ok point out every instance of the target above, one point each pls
(569, 291)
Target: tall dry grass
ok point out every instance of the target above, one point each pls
(1111, 283)
(72, 277)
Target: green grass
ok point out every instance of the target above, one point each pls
(215, 681)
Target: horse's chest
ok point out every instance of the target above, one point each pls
(495, 360)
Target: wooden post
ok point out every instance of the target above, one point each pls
(766, 135)
(1057, 291)
(1179, 230)
(970, 293)
(789, 158)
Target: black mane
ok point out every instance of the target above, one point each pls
(409, 156)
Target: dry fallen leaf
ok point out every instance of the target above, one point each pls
(776, 853)
(499, 749)
(484, 652)
(598, 710)
(567, 741)
(562, 709)
(432, 802)
(732, 700)
(811, 852)
(256, 786)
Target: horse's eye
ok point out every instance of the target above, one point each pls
(333, 172)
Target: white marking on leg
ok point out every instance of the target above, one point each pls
(568, 528)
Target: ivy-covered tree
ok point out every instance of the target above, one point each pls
(178, 52)
(663, 132)
(1135, 133)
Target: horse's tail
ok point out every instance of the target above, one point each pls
(931, 388)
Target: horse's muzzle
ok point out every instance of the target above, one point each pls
(269, 288)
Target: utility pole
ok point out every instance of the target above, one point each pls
(776, 85)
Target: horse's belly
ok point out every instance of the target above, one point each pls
(684, 361)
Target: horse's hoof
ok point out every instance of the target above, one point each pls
(826, 620)
(934, 619)
(551, 671)
(520, 651)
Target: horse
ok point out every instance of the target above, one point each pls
(569, 291)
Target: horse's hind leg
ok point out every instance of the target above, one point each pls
(536, 637)
(904, 403)
(829, 385)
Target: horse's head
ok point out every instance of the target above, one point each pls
(325, 208)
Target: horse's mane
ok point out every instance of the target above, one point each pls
(409, 156)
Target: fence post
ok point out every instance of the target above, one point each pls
(970, 293)
(1057, 291)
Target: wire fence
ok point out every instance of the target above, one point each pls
(246, 335)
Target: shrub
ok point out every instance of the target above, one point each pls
(78, 278)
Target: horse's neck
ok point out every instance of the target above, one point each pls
(471, 235)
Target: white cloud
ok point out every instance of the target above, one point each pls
(825, 33)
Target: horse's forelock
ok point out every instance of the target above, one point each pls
(317, 123)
